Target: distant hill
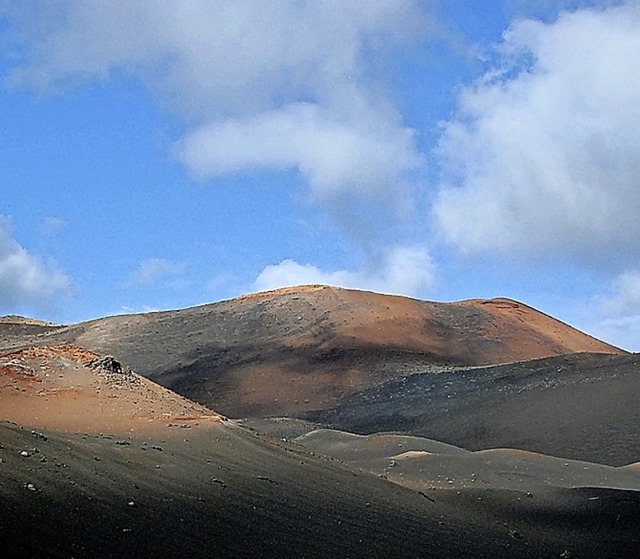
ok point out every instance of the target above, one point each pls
(14, 328)
(320, 343)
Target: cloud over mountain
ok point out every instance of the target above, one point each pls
(403, 270)
(257, 86)
(543, 155)
(279, 84)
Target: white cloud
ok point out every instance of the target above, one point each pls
(153, 270)
(622, 331)
(52, 225)
(25, 281)
(403, 271)
(625, 295)
(329, 153)
(261, 84)
(544, 154)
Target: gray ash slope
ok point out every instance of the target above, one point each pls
(580, 406)
(228, 492)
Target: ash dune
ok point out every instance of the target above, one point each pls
(425, 464)
(323, 343)
(580, 406)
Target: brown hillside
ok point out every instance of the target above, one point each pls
(69, 388)
(304, 348)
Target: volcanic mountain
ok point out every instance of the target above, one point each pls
(321, 343)
(98, 461)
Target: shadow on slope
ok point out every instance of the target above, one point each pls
(580, 406)
(322, 343)
(226, 492)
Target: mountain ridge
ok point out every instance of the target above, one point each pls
(322, 342)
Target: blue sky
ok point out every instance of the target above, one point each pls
(159, 155)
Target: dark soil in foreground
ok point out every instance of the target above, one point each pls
(155, 475)
(222, 491)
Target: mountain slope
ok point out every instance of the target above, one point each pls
(69, 388)
(228, 493)
(321, 343)
(581, 406)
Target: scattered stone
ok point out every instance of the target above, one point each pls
(106, 364)
(131, 504)
(124, 443)
(425, 496)
(25, 454)
(31, 487)
(265, 478)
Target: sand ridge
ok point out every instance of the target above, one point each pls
(427, 465)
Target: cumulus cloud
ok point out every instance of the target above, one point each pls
(26, 282)
(153, 270)
(543, 156)
(276, 84)
(329, 153)
(403, 271)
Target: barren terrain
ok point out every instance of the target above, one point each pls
(323, 343)
(372, 426)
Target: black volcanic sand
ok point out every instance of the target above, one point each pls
(222, 491)
(580, 406)
(425, 464)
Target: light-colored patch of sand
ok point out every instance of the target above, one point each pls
(506, 453)
(412, 454)
(68, 388)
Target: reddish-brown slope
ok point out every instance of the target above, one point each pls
(475, 332)
(68, 388)
(304, 348)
